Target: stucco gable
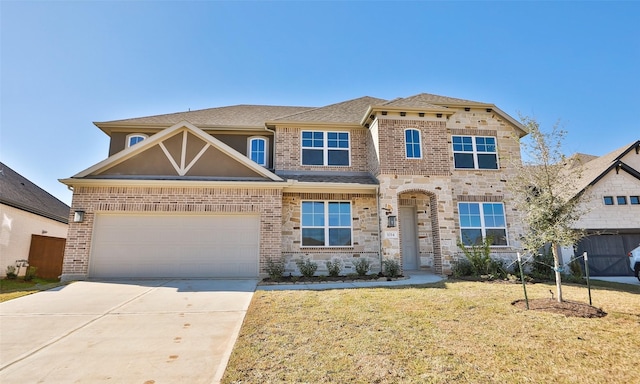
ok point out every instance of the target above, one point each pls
(180, 151)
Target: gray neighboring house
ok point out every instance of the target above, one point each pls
(611, 184)
(26, 210)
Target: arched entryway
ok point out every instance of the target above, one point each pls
(418, 227)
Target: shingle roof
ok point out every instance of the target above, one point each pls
(328, 177)
(350, 111)
(235, 115)
(427, 100)
(596, 168)
(18, 192)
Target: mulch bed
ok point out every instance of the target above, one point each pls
(567, 308)
(325, 279)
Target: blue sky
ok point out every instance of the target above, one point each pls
(66, 64)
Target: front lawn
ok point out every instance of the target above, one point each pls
(455, 331)
(13, 288)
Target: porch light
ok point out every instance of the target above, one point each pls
(391, 221)
(78, 216)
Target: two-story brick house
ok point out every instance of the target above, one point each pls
(217, 192)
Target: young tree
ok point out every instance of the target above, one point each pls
(545, 194)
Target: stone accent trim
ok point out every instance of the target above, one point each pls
(472, 132)
(480, 198)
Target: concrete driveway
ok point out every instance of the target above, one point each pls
(144, 332)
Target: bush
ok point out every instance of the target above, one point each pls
(362, 266)
(275, 269)
(391, 268)
(479, 256)
(30, 274)
(11, 272)
(543, 266)
(462, 267)
(334, 267)
(307, 267)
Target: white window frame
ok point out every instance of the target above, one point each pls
(133, 136)
(475, 153)
(406, 144)
(326, 225)
(483, 228)
(325, 149)
(266, 149)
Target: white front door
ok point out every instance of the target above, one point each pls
(409, 237)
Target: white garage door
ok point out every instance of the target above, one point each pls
(174, 245)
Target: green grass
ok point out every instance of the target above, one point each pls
(448, 332)
(13, 288)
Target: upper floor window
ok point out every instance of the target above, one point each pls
(412, 144)
(135, 138)
(622, 200)
(481, 220)
(325, 148)
(634, 200)
(608, 200)
(326, 224)
(475, 152)
(258, 150)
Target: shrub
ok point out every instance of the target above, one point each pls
(362, 266)
(307, 267)
(334, 267)
(462, 267)
(576, 269)
(275, 268)
(391, 267)
(479, 256)
(543, 266)
(30, 274)
(11, 272)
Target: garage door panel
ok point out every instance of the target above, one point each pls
(175, 246)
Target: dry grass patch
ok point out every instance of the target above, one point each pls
(441, 333)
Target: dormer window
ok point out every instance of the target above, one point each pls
(135, 138)
(258, 150)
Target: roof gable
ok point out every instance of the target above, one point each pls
(19, 192)
(594, 170)
(427, 100)
(181, 151)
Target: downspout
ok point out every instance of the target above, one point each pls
(379, 225)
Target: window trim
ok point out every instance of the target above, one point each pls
(325, 149)
(475, 153)
(406, 144)
(135, 135)
(326, 226)
(266, 149)
(483, 227)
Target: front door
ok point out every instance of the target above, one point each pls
(409, 237)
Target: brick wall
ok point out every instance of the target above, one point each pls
(266, 202)
(366, 241)
(435, 154)
(289, 150)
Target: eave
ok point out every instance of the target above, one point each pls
(109, 127)
(307, 187)
(77, 182)
(311, 124)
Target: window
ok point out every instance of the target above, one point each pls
(325, 148)
(326, 224)
(608, 200)
(135, 139)
(412, 144)
(622, 200)
(481, 220)
(474, 152)
(258, 150)
(634, 200)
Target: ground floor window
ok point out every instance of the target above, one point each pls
(481, 220)
(326, 224)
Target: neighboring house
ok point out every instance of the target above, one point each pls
(28, 212)
(218, 192)
(611, 186)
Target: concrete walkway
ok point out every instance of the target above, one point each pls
(414, 278)
(161, 331)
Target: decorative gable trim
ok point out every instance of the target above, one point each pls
(180, 165)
